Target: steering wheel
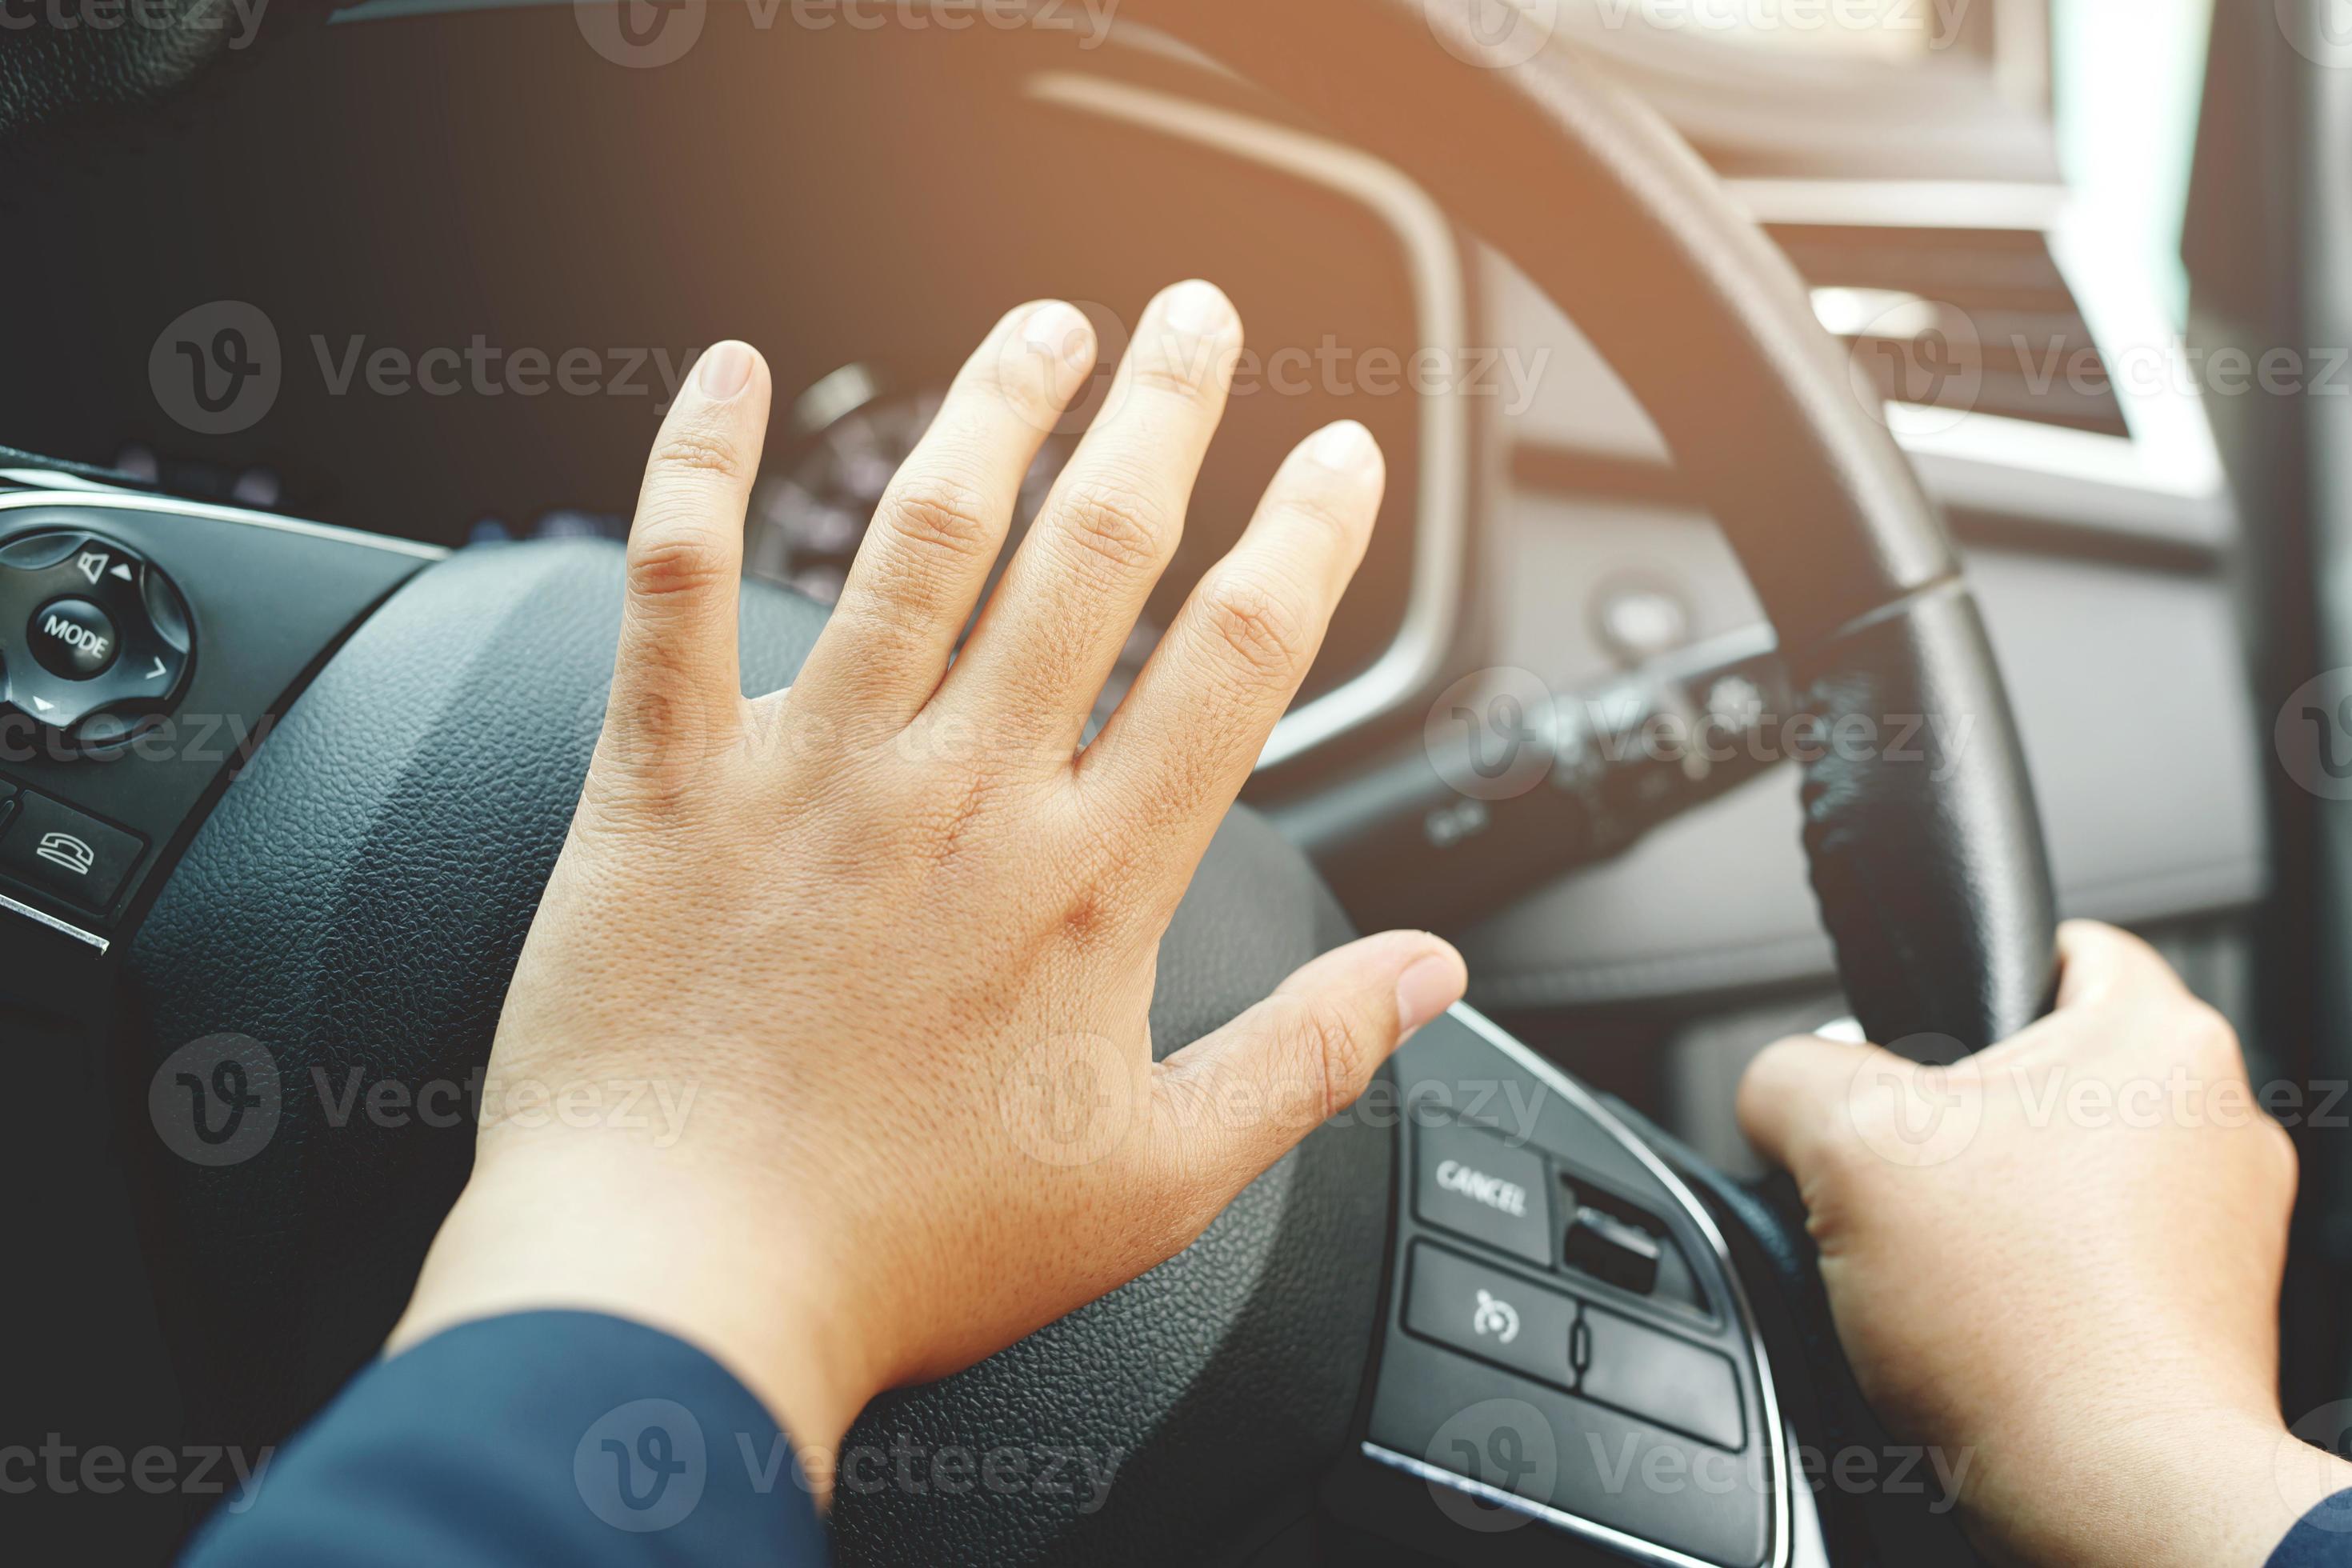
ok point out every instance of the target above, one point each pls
(350, 908)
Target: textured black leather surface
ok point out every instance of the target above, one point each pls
(48, 73)
(356, 904)
(1926, 849)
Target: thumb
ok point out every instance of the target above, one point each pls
(1796, 1093)
(1233, 1103)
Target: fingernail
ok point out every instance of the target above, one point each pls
(1061, 333)
(1428, 987)
(1200, 308)
(726, 370)
(1345, 447)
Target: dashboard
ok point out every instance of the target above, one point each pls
(861, 204)
(479, 350)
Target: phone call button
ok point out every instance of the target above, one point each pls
(74, 858)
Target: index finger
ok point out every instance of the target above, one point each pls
(675, 683)
(2099, 962)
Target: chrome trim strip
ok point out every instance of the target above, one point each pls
(134, 500)
(63, 927)
(1900, 204)
(1776, 1452)
(1433, 603)
(1617, 1541)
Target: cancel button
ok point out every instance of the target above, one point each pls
(1474, 1183)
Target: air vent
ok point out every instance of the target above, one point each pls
(1974, 319)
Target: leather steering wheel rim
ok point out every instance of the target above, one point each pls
(356, 900)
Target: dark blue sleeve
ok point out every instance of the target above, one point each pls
(540, 1437)
(2321, 1539)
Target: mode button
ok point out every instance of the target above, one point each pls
(73, 639)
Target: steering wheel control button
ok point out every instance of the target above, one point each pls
(94, 640)
(1612, 1249)
(74, 638)
(76, 859)
(1476, 1184)
(1662, 1379)
(1491, 1315)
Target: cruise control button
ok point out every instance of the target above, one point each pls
(70, 857)
(1489, 1314)
(1474, 1185)
(74, 638)
(1658, 1377)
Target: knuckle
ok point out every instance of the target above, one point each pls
(697, 449)
(1170, 373)
(664, 563)
(1329, 516)
(1258, 625)
(2210, 1038)
(938, 512)
(1116, 524)
(1329, 1049)
(2284, 1154)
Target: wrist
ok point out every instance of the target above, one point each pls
(585, 1225)
(2188, 1486)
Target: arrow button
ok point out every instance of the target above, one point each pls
(158, 672)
